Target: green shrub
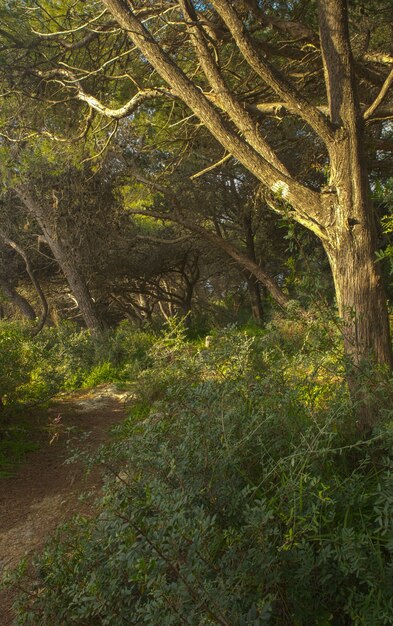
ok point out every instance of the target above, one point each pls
(15, 360)
(66, 358)
(63, 358)
(236, 496)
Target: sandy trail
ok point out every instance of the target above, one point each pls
(45, 491)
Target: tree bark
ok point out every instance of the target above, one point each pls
(77, 284)
(66, 260)
(351, 240)
(17, 299)
(34, 280)
(252, 282)
(361, 301)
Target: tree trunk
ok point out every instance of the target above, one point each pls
(67, 262)
(17, 299)
(255, 299)
(351, 243)
(361, 300)
(77, 284)
(362, 307)
(35, 282)
(252, 282)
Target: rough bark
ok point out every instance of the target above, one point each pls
(351, 241)
(361, 300)
(77, 284)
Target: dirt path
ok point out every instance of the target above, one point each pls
(45, 491)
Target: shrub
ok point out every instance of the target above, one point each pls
(232, 498)
(15, 360)
(63, 358)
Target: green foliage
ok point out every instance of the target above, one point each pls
(58, 359)
(383, 194)
(14, 360)
(64, 358)
(237, 495)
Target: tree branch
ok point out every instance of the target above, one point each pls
(211, 167)
(33, 279)
(270, 75)
(379, 57)
(226, 99)
(71, 81)
(245, 262)
(300, 197)
(70, 30)
(380, 97)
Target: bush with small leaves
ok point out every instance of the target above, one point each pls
(232, 498)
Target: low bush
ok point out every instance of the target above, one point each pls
(236, 495)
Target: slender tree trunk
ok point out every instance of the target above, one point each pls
(252, 283)
(17, 299)
(67, 262)
(255, 299)
(35, 282)
(77, 285)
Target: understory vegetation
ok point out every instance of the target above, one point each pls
(59, 359)
(238, 491)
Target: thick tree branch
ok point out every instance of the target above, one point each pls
(295, 29)
(270, 75)
(303, 199)
(225, 97)
(338, 63)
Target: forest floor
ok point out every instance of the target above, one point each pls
(45, 491)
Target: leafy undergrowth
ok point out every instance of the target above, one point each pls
(238, 493)
(63, 358)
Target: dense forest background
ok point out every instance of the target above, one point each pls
(196, 204)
